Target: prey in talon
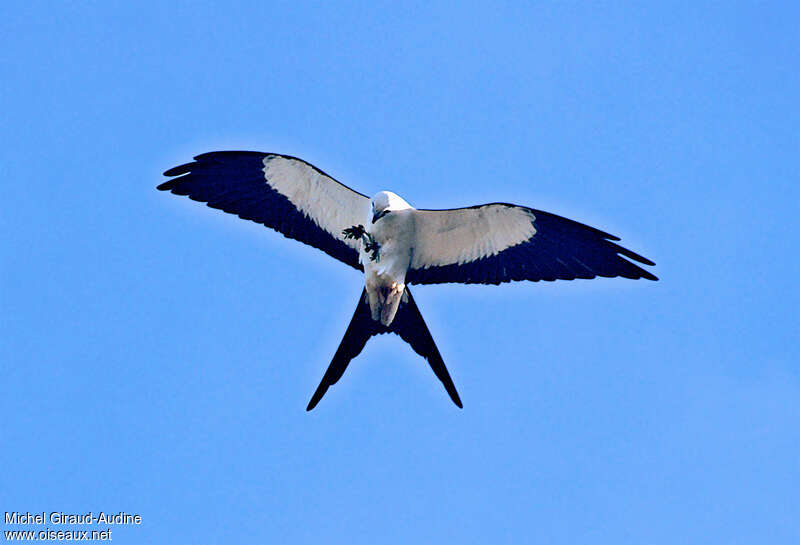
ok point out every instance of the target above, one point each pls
(370, 244)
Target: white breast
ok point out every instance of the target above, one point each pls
(394, 232)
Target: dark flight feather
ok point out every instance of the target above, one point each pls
(407, 323)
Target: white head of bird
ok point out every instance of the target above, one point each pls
(385, 202)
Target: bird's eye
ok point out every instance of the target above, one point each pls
(378, 215)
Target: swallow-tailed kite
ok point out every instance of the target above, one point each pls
(396, 245)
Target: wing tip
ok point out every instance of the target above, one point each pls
(180, 169)
(649, 276)
(210, 155)
(643, 273)
(633, 255)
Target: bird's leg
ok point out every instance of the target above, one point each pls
(370, 244)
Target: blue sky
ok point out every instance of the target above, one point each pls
(157, 356)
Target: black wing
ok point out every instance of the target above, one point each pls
(281, 192)
(499, 242)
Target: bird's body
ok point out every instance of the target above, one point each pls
(396, 245)
(392, 228)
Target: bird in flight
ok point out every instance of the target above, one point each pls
(396, 245)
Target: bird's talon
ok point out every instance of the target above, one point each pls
(370, 244)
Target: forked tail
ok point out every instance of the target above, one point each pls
(407, 323)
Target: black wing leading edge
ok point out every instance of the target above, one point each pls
(408, 323)
(235, 182)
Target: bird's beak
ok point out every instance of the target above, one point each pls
(378, 215)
